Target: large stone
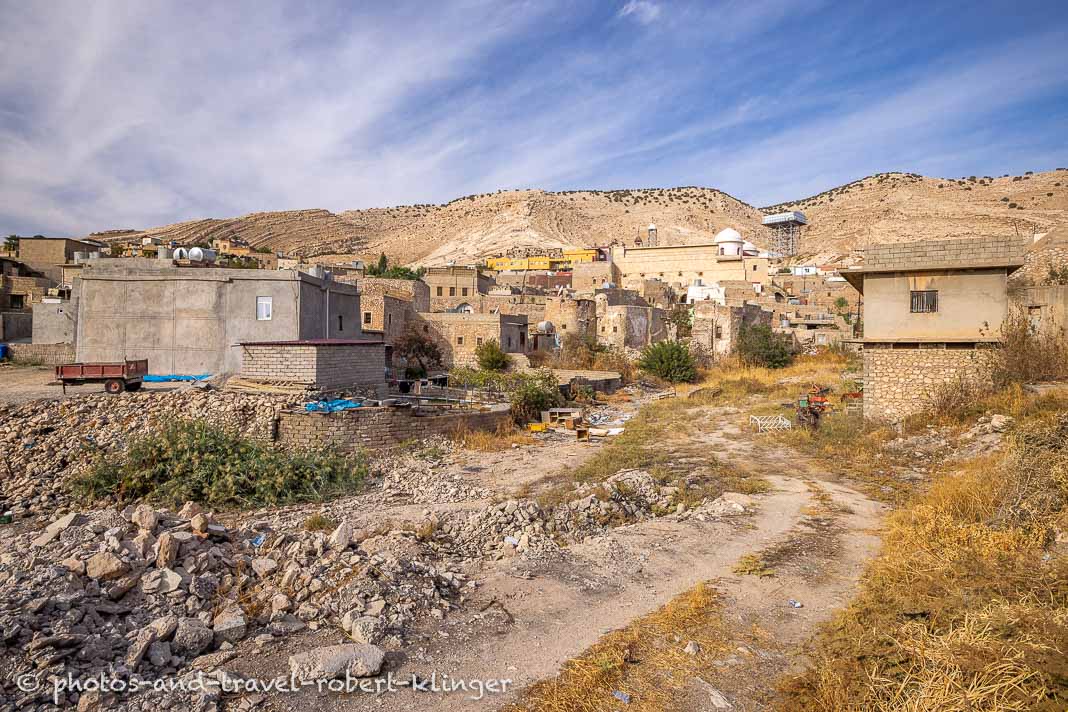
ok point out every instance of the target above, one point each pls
(161, 581)
(230, 625)
(164, 627)
(139, 647)
(199, 524)
(264, 566)
(191, 637)
(105, 566)
(145, 517)
(366, 629)
(331, 661)
(342, 537)
(166, 550)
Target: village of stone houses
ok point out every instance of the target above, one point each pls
(729, 473)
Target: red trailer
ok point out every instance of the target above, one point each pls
(116, 377)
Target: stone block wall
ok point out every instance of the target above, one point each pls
(47, 354)
(909, 255)
(325, 366)
(899, 382)
(370, 428)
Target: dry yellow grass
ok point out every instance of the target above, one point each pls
(645, 660)
(966, 608)
(485, 441)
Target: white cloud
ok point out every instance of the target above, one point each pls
(643, 11)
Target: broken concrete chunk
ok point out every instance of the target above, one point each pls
(331, 661)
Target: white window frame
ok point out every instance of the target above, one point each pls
(264, 314)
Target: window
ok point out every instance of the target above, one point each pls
(522, 338)
(563, 327)
(459, 341)
(367, 317)
(340, 322)
(439, 291)
(754, 268)
(925, 302)
(463, 292)
(478, 341)
(615, 329)
(719, 332)
(389, 320)
(263, 308)
(509, 342)
(426, 329)
(452, 291)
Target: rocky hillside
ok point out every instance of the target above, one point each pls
(901, 207)
(888, 207)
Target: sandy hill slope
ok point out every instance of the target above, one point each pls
(888, 207)
(298, 231)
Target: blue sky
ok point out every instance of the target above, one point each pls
(122, 114)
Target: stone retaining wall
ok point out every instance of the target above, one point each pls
(47, 354)
(901, 381)
(372, 428)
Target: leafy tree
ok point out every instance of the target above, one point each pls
(491, 357)
(12, 243)
(841, 303)
(680, 316)
(383, 264)
(669, 360)
(760, 346)
(417, 346)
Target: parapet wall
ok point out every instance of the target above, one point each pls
(370, 428)
(910, 255)
(47, 354)
(899, 382)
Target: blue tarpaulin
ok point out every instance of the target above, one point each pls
(176, 377)
(331, 406)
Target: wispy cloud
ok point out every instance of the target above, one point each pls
(643, 11)
(237, 107)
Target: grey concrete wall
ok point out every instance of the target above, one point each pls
(190, 320)
(971, 305)
(1046, 307)
(54, 323)
(315, 320)
(15, 325)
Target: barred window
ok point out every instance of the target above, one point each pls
(925, 301)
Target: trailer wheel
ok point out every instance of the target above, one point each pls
(114, 386)
(135, 386)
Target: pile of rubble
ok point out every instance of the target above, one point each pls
(150, 593)
(524, 527)
(45, 443)
(422, 477)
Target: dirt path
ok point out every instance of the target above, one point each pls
(527, 617)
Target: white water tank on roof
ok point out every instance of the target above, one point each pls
(181, 254)
(729, 241)
(546, 327)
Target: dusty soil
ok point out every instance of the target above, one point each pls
(528, 616)
(19, 384)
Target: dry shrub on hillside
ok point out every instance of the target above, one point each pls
(967, 606)
(1029, 352)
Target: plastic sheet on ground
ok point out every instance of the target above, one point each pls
(331, 406)
(175, 377)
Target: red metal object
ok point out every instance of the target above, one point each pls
(116, 377)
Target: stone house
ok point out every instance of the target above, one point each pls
(192, 320)
(452, 286)
(716, 327)
(679, 265)
(20, 285)
(458, 335)
(47, 255)
(571, 315)
(930, 308)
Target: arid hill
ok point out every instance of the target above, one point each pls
(889, 207)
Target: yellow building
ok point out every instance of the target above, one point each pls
(541, 262)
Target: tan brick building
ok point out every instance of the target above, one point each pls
(929, 309)
(46, 255)
(324, 364)
(452, 286)
(458, 335)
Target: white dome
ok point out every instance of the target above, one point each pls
(728, 235)
(748, 247)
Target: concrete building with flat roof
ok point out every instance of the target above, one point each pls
(47, 254)
(191, 320)
(929, 309)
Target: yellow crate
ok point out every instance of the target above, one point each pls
(537, 427)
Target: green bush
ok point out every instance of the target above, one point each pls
(491, 356)
(199, 462)
(533, 393)
(760, 346)
(669, 360)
